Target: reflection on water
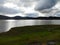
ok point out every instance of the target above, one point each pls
(5, 25)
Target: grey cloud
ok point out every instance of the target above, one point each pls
(32, 15)
(28, 0)
(2, 1)
(45, 4)
(57, 14)
(27, 3)
(6, 10)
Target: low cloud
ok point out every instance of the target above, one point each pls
(19, 3)
(5, 10)
(2, 2)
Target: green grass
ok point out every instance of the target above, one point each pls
(25, 35)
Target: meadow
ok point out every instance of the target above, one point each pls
(29, 34)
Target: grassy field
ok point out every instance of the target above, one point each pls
(29, 34)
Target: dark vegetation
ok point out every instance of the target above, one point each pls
(31, 35)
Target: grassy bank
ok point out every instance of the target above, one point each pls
(29, 34)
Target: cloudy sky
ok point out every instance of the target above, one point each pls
(19, 7)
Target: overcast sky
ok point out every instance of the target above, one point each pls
(14, 7)
(18, 7)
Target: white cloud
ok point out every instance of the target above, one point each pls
(19, 7)
(11, 5)
(5, 10)
(2, 1)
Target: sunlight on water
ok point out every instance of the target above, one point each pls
(6, 25)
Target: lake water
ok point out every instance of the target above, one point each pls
(5, 25)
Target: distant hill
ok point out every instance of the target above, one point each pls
(15, 17)
(19, 17)
(4, 17)
(42, 18)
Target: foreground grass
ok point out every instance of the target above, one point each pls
(28, 34)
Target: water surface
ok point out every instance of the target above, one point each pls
(5, 25)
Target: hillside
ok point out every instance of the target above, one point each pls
(29, 34)
(4, 17)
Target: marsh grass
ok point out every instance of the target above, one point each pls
(25, 35)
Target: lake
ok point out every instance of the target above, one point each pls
(5, 25)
